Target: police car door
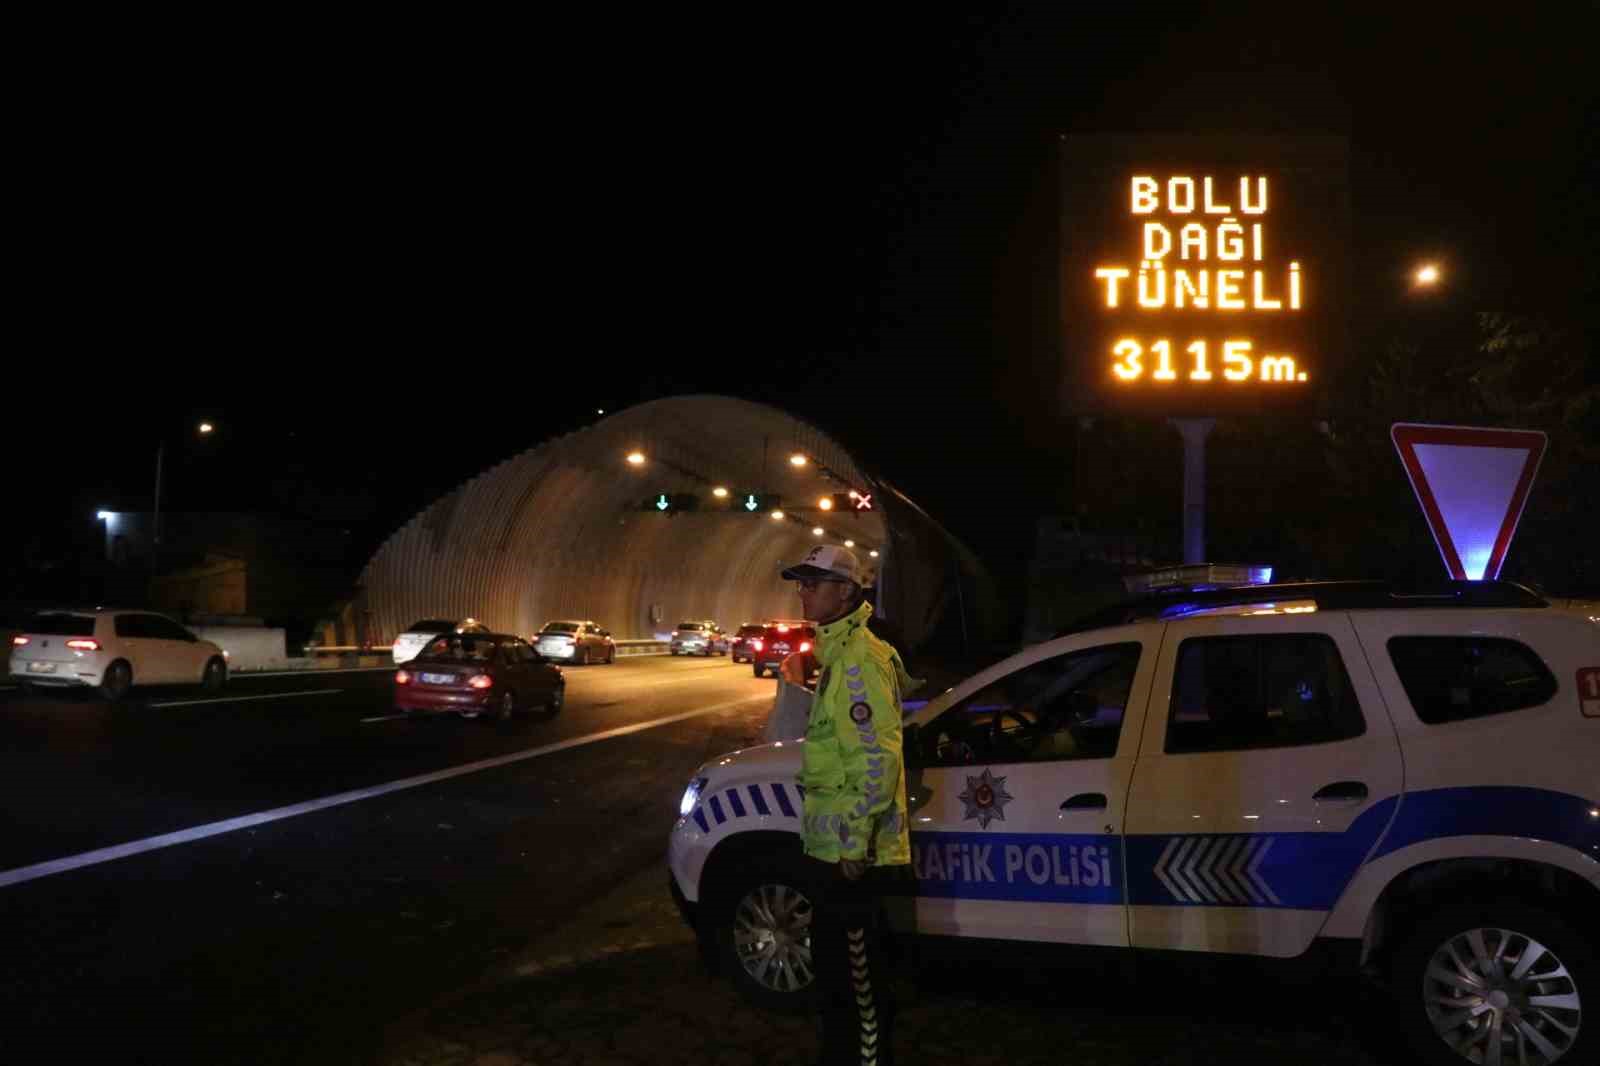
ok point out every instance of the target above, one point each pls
(1017, 793)
(1268, 769)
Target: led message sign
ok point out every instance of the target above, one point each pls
(1202, 275)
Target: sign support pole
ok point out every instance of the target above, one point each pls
(1194, 431)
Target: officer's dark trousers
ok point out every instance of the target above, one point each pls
(852, 974)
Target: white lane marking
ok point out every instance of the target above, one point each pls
(184, 836)
(236, 699)
(383, 718)
(313, 671)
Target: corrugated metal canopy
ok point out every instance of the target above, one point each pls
(558, 531)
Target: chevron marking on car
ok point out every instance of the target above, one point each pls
(729, 806)
(1216, 870)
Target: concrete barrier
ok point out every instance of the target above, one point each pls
(642, 647)
(248, 647)
(791, 708)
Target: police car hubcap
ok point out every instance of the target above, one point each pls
(1497, 996)
(771, 934)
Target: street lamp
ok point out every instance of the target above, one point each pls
(849, 544)
(825, 503)
(797, 460)
(720, 493)
(873, 553)
(777, 516)
(817, 531)
(1427, 275)
(636, 458)
(206, 427)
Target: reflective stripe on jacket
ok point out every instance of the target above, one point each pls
(851, 770)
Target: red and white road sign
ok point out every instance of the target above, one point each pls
(1472, 483)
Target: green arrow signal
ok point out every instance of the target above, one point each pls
(661, 502)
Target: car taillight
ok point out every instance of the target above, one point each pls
(480, 681)
(757, 645)
(402, 677)
(84, 645)
(17, 642)
(805, 645)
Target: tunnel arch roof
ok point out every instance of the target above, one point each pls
(557, 531)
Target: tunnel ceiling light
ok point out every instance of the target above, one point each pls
(636, 458)
(206, 427)
(777, 516)
(818, 531)
(849, 544)
(101, 516)
(797, 460)
(825, 503)
(720, 493)
(873, 553)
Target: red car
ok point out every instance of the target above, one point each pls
(741, 647)
(478, 673)
(777, 642)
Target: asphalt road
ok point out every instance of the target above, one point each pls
(509, 907)
(619, 984)
(299, 938)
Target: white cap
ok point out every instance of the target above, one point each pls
(827, 562)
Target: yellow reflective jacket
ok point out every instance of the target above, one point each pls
(851, 769)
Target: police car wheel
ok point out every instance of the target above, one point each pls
(1503, 973)
(763, 936)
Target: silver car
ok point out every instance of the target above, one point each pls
(576, 641)
(698, 638)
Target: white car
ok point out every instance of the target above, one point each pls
(409, 645)
(1408, 786)
(112, 651)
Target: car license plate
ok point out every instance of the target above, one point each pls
(41, 668)
(780, 647)
(438, 679)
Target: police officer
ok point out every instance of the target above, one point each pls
(854, 828)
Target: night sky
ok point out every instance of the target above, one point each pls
(384, 258)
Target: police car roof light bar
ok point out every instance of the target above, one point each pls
(1327, 595)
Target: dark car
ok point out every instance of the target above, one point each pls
(740, 647)
(478, 673)
(777, 642)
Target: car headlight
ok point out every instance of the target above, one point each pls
(691, 797)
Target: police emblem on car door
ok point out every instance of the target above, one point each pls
(1016, 794)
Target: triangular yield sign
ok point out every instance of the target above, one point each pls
(1472, 484)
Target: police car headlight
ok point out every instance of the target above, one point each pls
(691, 796)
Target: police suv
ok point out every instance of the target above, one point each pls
(1406, 784)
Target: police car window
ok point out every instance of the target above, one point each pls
(1067, 707)
(1449, 679)
(1283, 690)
